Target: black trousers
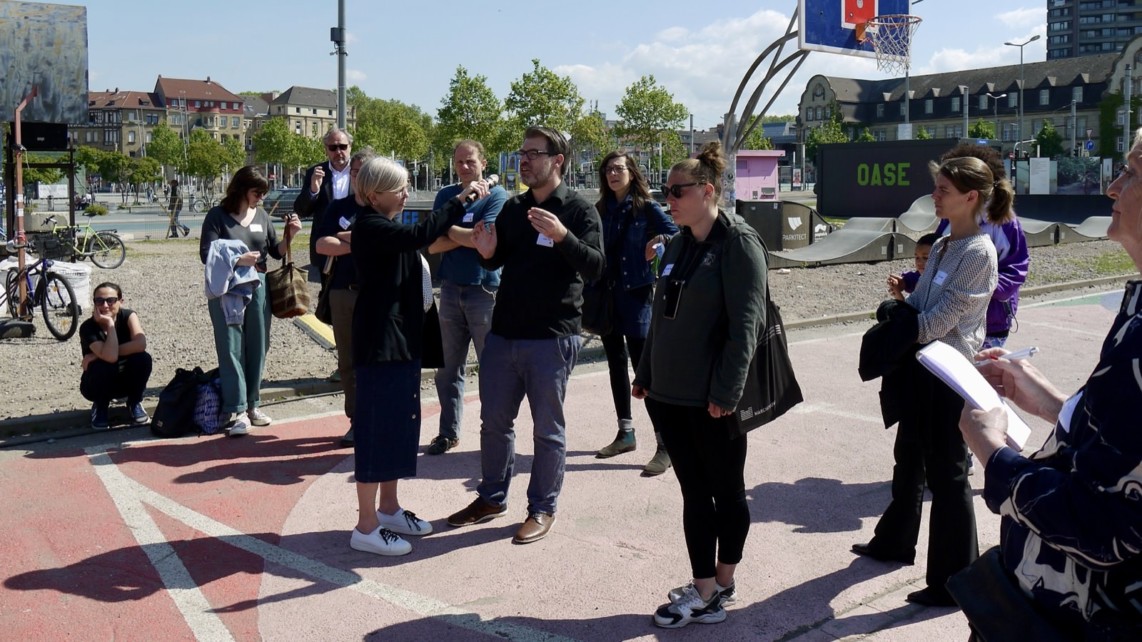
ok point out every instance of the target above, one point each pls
(616, 346)
(930, 451)
(103, 381)
(711, 472)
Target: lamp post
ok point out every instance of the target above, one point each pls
(995, 107)
(964, 100)
(1021, 45)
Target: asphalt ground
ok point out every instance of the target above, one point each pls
(115, 535)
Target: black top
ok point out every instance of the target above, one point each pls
(90, 332)
(541, 286)
(259, 235)
(339, 217)
(388, 321)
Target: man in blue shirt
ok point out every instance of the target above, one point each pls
(467, 290)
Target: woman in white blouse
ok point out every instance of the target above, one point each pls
(951, 299)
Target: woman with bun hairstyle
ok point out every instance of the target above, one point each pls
(951, 299)
(709, 306)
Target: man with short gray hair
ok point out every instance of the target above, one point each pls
(323, 184)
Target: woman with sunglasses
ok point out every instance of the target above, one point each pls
(951, 299)
(115, 360)
(709, 306)
(632, 225)
(388, 322)
(242, 337)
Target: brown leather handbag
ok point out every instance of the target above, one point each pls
(289, 288)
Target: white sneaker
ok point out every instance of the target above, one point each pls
(690, 607)
(404, 522)
(381, 541)
(728, 594)
(239, 428)
(258, 418)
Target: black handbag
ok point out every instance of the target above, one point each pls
(771, 387)
(598, 307)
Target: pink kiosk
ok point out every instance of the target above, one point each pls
(757, 177)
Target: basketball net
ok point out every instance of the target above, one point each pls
(891, 38)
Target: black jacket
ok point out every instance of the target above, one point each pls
(304, 206)
(888, 350)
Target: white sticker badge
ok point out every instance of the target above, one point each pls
(256, 227)
(667, 270)
(545, 241)
(469, 217)
(941, 276)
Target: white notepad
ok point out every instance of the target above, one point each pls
(962, 376)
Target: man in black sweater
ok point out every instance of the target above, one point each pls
(547, 240)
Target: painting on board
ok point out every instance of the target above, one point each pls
(43, 45)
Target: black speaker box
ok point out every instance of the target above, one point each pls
(42, 137)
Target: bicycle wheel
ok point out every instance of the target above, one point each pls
(57, 302)
(106, 250)
(12, 293)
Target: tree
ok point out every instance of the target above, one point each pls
(757, 140)
(273, 142)
(866, 136)
(831, 131)
(590, 139)
(167, 147)
(921, 133)
(540, 97)
(982, 129)
(469, 110)
(205, 157)
(392, 128)
(1049, 140)
(648, 114)
(41, 174)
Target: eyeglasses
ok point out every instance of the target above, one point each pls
(110, 300)
(532, 154)
(677, 190)
(616, 169)
(337, 146)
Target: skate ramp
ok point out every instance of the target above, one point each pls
(847, 245)
(919, 219)
(1092, 229)
(1039, 233)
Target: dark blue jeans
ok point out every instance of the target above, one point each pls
(465, 317)
(509, 370)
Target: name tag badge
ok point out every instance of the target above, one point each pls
(941, 276)
(256, 227)
(344, 223)
(667, 270)
(545, 241)
(469, 217)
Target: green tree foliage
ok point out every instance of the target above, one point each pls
(469, 110)
(392, 128)
(590, 138)
(921, 133)
(539, 97)
(205, 157)
(42, 174)
(831, 131)
(274, 142)
(757, 139)
(233, 155)
(1109, 128)
(648, 115)
(166, 147)
(982, 129)
(1050, 141)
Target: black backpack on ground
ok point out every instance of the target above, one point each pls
(174, 414)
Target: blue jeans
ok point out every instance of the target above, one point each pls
(242, 351)
(465, 316)
(510, 369)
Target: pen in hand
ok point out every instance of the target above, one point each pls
(1018, 355)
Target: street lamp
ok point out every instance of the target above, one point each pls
(995, 106)
(1021, 45)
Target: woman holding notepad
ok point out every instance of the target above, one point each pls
(1071, 541)
(951, 298)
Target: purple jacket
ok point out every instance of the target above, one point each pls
(1011, 249)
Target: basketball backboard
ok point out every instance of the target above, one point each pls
(830, 25)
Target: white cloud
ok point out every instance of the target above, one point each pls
(355, 77)
(1023, 17)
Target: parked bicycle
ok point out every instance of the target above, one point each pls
(46, 289)
(203, 203)
(104, 247)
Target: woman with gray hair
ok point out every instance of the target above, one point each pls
(387, 329)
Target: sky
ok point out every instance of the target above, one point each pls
(699, 50)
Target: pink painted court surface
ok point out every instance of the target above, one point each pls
(215, 539)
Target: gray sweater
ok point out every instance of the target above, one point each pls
(954, 291)
(703, 353)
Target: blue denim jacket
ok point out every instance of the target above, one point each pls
(626, 257)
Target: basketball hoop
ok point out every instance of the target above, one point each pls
(891, 38)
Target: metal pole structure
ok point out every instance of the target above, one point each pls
(1127, 90)
(995, 106)
(1021, 78)
(1074, 128)
(691, 135)
(964, 98)
(18, 188)
(337, 35)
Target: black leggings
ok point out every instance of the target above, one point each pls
(615, 345)
(103, 381)
(711, 472)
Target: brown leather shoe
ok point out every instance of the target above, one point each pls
(534, 528)
(478, 512)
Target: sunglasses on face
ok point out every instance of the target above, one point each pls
(110, 300)
(677, 190)
(337, 146)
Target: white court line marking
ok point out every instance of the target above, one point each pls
(1062, 328)
(828, 409)
(125, 489)
(1094, 295)
(189, 600)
